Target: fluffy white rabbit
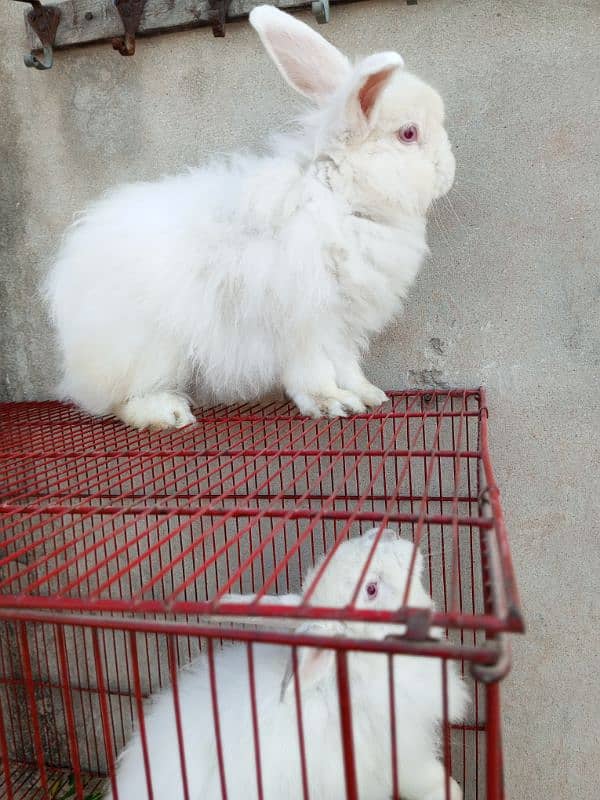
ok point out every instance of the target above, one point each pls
(259, 273)
(418, 705)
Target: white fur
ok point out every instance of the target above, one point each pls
(418, 706)
(258, 273)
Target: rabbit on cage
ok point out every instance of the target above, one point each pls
(418, 704)
(259, 273)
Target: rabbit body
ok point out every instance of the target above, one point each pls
(418, 711)
(259, 273)
(232, 277)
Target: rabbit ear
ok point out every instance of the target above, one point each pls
(372, 76)
(387, 535)
(306, 60)
(313, 662)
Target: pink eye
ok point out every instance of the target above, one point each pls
(409, 134)
(371, 589)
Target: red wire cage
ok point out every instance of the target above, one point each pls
(121, 550)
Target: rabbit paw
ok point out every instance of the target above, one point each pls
(440, 793)
(339, 404)
(371, 396)
(159, 411)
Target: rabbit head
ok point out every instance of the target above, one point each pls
(372, 570)
(378, 129)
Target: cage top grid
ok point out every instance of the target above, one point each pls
(95, 517)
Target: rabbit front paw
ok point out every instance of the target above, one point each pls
(159, 411)
(333, 404)
(371, 396)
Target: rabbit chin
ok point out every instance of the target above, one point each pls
(394, 186)
(385, 187)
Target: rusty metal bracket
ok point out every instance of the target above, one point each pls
(44, 21)
(320, 9)
(417, 627)
(130, 12)
(217, 16)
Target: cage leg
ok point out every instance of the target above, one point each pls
(494, 766)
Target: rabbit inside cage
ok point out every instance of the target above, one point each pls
(258, 721)
(217, 732)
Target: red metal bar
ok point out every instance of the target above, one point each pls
(340, 538)
(177, 709)
(137, 685)
(346, 725)
(298, 700)
(105, 481)
(296, 547)
(418, 531)
(65, 685)
(115, 511)
(255, 731)
(287, 515)
(217, 724)
(5, 756)
(392, 645)
(104, 715)
(510, 583)
(29, 607)
(494, 770)
(200, 511)
(387, 515)
(34, 716)
(393, 734)
(447, 749)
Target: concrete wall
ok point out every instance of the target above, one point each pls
(510, 297)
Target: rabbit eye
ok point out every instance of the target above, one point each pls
(409, 134)
(372, 589)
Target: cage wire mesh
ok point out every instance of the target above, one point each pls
(123, 555)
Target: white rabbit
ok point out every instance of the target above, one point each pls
(259, 273)
(418, 705)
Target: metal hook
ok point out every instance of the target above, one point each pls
(43, 20)
(320, 9)
(130, 12)
(45, 62)
(217, 16)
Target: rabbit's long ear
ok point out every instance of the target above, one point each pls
(313, 663)
(371, 77)
(306, 60)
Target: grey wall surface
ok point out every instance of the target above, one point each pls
(510, 297)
